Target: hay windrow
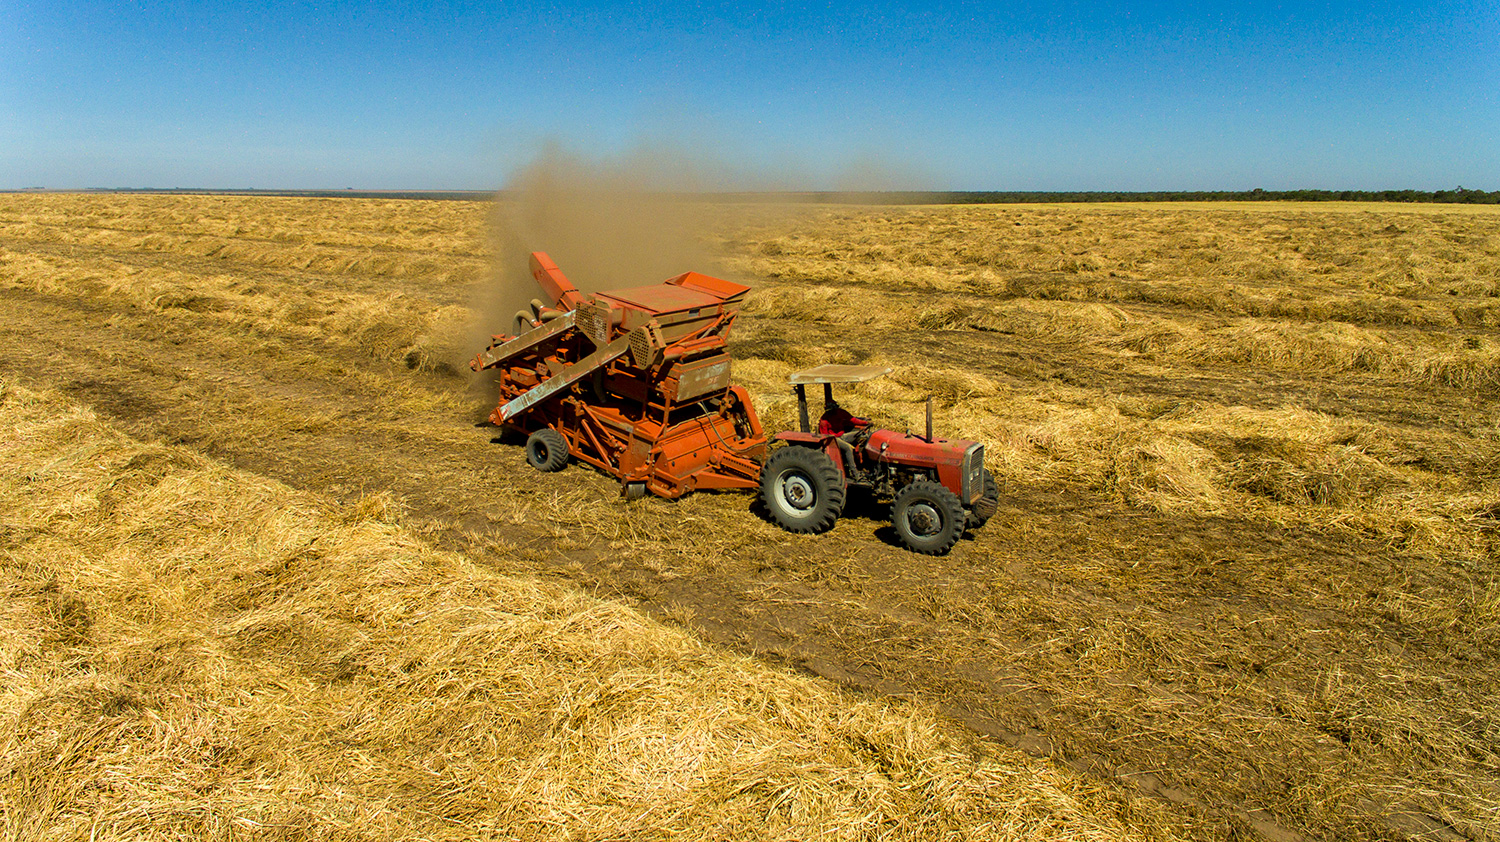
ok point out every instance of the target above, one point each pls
(194, 651)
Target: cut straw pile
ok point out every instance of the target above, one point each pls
(191, 651)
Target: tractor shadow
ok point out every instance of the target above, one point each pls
(859, 505)
(862, 506)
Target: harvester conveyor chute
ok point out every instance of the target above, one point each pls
(493, 356)
(565, 378)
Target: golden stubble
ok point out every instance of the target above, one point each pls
(1325, 370)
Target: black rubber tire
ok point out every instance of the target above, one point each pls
(928, 517)
(547, 450)
(802, 489)
(984, 508)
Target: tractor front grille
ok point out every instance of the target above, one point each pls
(973, 473)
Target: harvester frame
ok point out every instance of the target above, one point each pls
(634, 382)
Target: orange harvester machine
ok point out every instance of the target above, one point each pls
(636, 381)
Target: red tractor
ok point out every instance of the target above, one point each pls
(938, 487)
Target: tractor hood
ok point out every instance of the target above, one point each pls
(959, 462)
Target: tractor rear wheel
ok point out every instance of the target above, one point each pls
(928, 517)
(988, 503)
(547, 450)
(802, 489)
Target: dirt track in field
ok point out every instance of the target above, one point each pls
(967, 633)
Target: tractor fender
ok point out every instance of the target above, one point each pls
(826, 443)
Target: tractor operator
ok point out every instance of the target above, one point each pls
(851, 430)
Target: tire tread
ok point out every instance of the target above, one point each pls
(947, 503)
(826, 478)
(983, 510)
(555, 446)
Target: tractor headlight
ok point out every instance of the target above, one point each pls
(973, 472)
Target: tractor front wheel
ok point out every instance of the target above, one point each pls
(987, 504)
(802, 489)
(547, 450)
(928, 517)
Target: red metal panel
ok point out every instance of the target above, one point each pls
(697, 378)
(801, 438)
(662, 298)
(717, 287)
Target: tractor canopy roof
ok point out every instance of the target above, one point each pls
(830, 373)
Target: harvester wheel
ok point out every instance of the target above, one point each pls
(802, 489)
(634, 491)
(985, 507)
(928, 517)
(547, 450)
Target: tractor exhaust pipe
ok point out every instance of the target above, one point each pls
(929, 419)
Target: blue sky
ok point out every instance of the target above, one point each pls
(968, 96)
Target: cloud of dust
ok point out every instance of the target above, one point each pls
(873, 171)
(633, 220)
(608, 224)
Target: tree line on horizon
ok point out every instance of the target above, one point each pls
(1458, 195)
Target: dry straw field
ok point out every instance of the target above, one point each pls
(265, 578)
